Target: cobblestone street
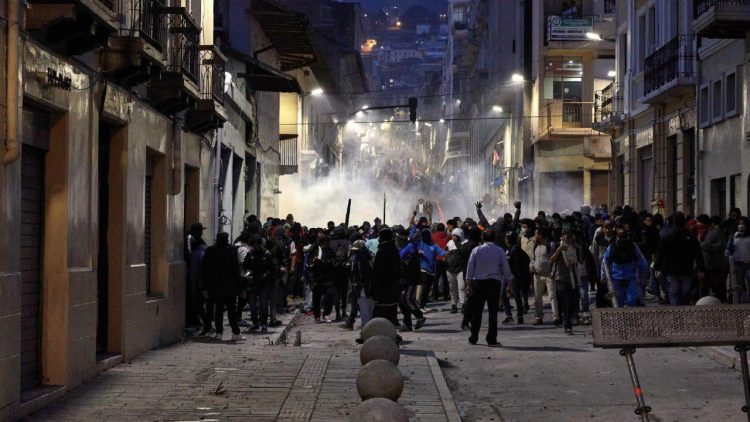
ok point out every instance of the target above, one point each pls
(539, 374)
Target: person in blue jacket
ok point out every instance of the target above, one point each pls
(625, 264)
(428, 252)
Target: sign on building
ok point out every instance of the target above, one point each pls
(569, 29)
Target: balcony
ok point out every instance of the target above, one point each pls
(177, 88)
(608, 107)
(565, 118)
(135, 56)
(288, 163)
(668, 71)
(209, 112)
(71, 27)
(721, 18)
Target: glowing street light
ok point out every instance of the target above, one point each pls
(365, 107)
(611, 74)
(593, 36)
(360, 114)
(317, 91)
(497, 109)
(442, 120)
(516, 77)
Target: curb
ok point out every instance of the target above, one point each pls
(278, 338)
(722, 355)
(451, 411)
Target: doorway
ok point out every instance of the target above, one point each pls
(646, 161)
(102, 267)
(36, 135)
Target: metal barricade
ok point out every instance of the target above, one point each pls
(673, 326)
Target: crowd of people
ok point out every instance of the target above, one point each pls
(343, 272)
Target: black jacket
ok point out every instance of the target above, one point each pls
(465, 252)
(321, 269)
(221, 271)
(386, 274)
(362, 271)
(519, 263)
(680, 254)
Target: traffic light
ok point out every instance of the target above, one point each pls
(413, 109)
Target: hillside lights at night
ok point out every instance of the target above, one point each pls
(316, 92)
(516, 78)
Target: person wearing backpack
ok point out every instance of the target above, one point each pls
(541, 269)
(410, 278)
(321, 263)
(340, 271)
(262, 266)
(361, 276)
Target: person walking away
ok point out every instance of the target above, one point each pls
(679, 257)
(487, 270)
(624, 263)
(221, 278)
(321, 261)
(359, 292)
(474, 235)
(430, 253)
(519, 266)
(340, 246)
(738, 250)
(717, 265)
(385, 287)
(203, 304)
(541, 269)
(565, 262)
(263, 269)
(454, 270)
(410, 278)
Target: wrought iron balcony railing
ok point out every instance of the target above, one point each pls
(212, 73)
(702, 6)
(184, 35)
(671, 61)
(608, 102)
(148, 22)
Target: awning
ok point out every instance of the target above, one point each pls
(288, 32)
(262, 77)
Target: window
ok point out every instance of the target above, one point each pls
(716, 100)
(562, 78)
(730, 98)
(704, 104)
(651, 31)
(641, 43)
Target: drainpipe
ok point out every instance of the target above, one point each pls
(12, 151)
(217, 170)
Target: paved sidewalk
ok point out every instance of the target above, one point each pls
(209, 380)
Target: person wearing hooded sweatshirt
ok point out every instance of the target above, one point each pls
(361, 276)
(679, 256)
(429, 253)
(410, 278)
(624, 262)
(385, 287)
(340, 245)
(454, 270)
(221, 280)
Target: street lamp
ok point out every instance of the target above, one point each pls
(497, 109)
(316, 92)
(611, 74)
(594, 36)
(516, 78)
(442, 120)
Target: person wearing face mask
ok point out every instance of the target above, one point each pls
(738, 249)
(679, 258)
(625, 263)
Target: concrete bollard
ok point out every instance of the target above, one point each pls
(708, 300)
(379, 327)
(379, 410)
(379, 347)
(380, 378)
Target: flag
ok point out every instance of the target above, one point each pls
(495, 157)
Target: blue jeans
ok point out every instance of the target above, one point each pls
(584, 292)
(626, 292)
(679, 289)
